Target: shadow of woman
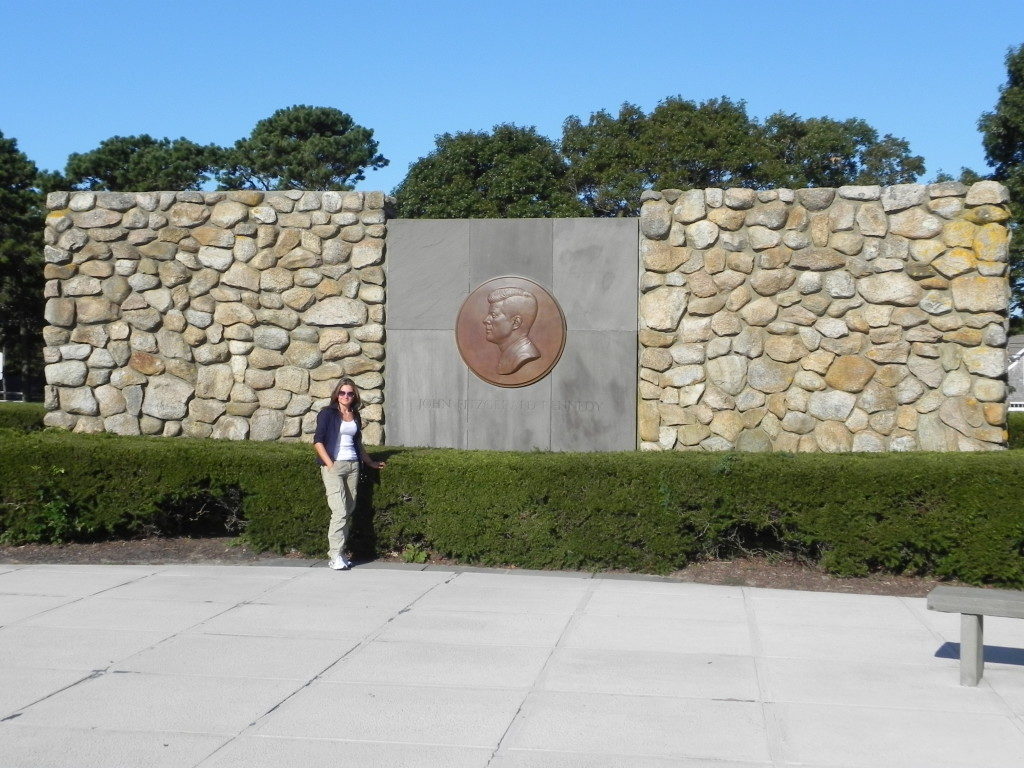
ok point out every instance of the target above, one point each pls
(363, 536)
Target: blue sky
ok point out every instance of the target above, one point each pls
(73, 73)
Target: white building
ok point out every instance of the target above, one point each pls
(1015, 373)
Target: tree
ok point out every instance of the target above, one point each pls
(822, 152)
(712, 144)
(683, 144)
(680, 145)
(142, 164)
(302, 147)
(1003, 138)
(609, 157)
(967, 176)
(510, 172)
(21, 263)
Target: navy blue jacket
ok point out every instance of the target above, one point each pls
(328, 427)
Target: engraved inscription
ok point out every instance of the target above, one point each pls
(474, 404)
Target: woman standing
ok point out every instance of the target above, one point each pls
(339, 448)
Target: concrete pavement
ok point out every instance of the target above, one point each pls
(232, 666)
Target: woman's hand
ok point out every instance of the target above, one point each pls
(376, 464)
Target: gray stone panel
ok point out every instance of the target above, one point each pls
(590, 265)
(595, 272)
(428, 272)
(593, 393)
(516, 419)
(426, 390)
(519, 247)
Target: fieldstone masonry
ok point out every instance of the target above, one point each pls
(222, 314)
(854, 319)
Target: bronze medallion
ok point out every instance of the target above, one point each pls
(510, 332)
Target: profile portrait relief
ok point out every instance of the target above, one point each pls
(508, 323)
(510, 331)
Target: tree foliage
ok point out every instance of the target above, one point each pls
(142, 164)
(302, 147)
(683, 144)
(609, 158)
(509, 172)
(712, 144)
(822, 152)
(680, 145)
(21, 272)
(1003, 138)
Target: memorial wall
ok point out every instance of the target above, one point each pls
(857, 319)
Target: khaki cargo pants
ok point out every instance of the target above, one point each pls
(340, 482)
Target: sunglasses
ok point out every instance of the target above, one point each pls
(346, 394)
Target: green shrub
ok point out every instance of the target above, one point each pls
(22, 416)
(105, 486)
(950, 515)
(1015, 426)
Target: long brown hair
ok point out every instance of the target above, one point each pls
(357, 401)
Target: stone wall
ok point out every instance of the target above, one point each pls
(224, 314)
(859, 318)
(862, 318)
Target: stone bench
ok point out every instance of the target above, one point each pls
(973, 604)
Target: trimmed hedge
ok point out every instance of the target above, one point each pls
(951, 515)
(58, 486)
(22, 416)
(1015, 426)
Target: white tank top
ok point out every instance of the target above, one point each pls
(346, 442)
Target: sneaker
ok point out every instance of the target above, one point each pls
(340, 564)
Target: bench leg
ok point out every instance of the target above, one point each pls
(972, 650)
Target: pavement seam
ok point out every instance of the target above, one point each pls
(1018, 721)
(73, 600)
(97, 673)
(199, 623)
(920, 619)
(774, 739)
(18, 712)
(1016, 718)
(366, 639)
(572, 621)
